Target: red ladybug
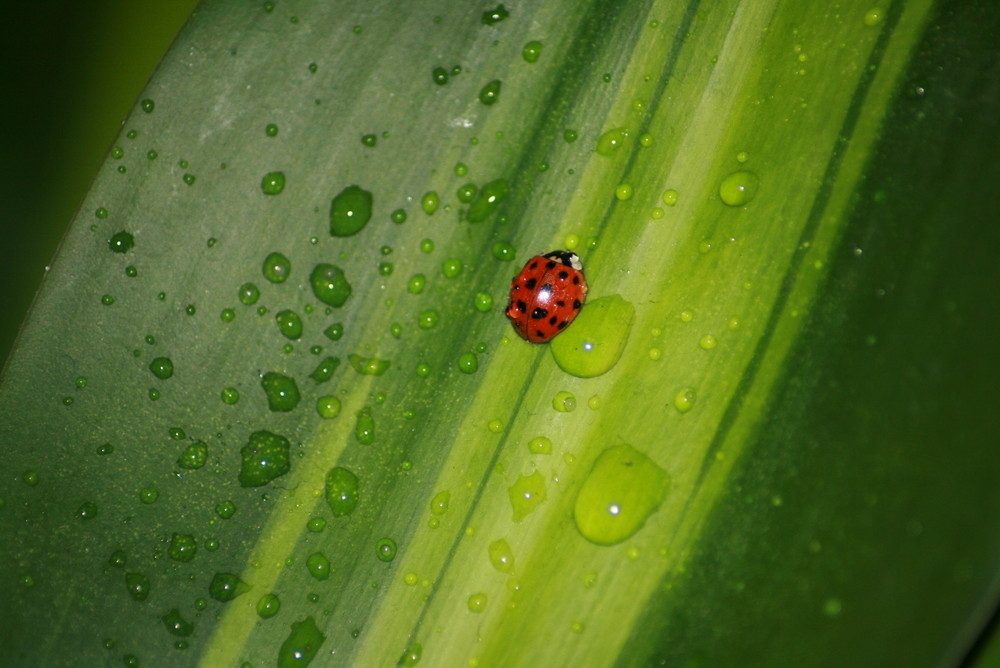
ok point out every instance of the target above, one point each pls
(547, 295)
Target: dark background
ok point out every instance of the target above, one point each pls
(70, 71)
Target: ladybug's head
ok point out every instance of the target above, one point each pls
(565, 257)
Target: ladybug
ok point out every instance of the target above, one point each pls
(547, 295)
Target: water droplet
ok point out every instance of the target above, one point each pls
(176, 624)
(416, 284)
(623, 192)
(329, 284)
(268, 606)
(540, 445)
(430, 202)
(738, 188)
(496, 15)
(874, 16)
(597, 338)
(501, 556)
(684, 400)
(194, 456)
(148, 106)
(318, 565)
(439, 75)
(369, 140)
(328, 407)
(451, 267)
(532, 51)
(225, 509)
(466, 193)
(289, 324)
(230, 395)
(162, 367)
(302, 644)
(468, 363)
(265, 457)
(225, 587)
(137, 585)
(276, 269)
(325, 370)
(490, 93)
(334, 332)
(385, 549)
(609, 143)
(183, 547)
(411, 656)
(272, 183)
(398, 216)
(504, 251)
(350, 211)
(341, 491)
(483, 302)
(281, 390)
(622, 490)
(564, 402)
(364, 428)
(249, 294)
(122, 242)
(368, 366)
(439, 504)
(488, 200)
(477, 602)
(526, 495)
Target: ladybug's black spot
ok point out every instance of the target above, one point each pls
(576, 304)
(550, 265)
(553, 320)
(561, 304)
(521, 306)
(540, 335)
(576, 280)
(562, 325)
(563, 275)
(538, 314)
(533, 264)
(530, 283)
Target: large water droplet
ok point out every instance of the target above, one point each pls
(301, 645)
(597, 338)
(341, 491)
(350, 211)
(619, 494)
(282, 391)
(526, 495)
(329, 284)
(265, 457)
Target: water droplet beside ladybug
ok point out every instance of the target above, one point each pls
(547, 295)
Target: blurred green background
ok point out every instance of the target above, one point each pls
(71, 72)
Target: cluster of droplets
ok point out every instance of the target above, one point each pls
(266, 456)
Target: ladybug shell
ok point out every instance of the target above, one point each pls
(547, 295)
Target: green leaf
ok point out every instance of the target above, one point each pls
(782, 457)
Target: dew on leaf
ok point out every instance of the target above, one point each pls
(265, 457)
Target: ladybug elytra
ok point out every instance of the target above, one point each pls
(547, 295)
